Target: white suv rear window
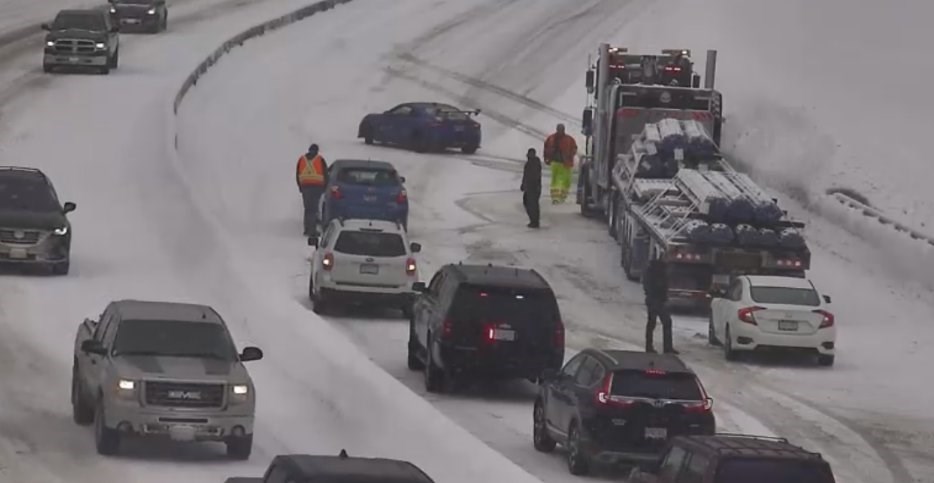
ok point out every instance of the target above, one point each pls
(372, 244)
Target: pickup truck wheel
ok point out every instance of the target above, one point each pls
(540, 437)
(470, 149)
(61, 268)
(367, 133)
(47, 68)
(114, 61)
(104, 70)
(240, 448)
(415, 364)
(434, 376)
(106, 439)
(81, 412)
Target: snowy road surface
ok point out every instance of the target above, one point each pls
(223, 226)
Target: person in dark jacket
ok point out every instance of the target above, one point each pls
(655, 284)
(532, 187)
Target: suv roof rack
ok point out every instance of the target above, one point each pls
(21, 168)
(777, 439)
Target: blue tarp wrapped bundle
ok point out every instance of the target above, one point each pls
(791, 238)
(741, 210)
(768, 237)
(697, 231)
(721, 234)
(699, 142)
(747, 235)
(767, 212)
(672, 136)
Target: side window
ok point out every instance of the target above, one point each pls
(736, 291)
(279, 474)
(597, 375)
(111, 330)
(435, 286)
(401, 110)
(586, 370)
(102, 324)
(671, 466)
(573, 365)
(695, 470)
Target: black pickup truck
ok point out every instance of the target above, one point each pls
(303, 468)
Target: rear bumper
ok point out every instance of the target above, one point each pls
(746, 338)
(49, 248)
(76, 60)
(355, 294)
(477, 363)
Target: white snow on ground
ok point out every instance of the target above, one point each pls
(866, 414)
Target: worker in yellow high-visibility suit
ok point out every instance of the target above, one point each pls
(559, 152)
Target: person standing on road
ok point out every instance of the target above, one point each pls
(532, 187)
(655, 284)
(559, 153)
(311, 175)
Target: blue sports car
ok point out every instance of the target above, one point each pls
(370, 190)
(423, 126)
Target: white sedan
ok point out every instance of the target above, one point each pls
(759, 311)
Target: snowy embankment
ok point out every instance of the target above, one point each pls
(375, 414)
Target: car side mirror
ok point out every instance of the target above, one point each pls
(827, 299)
(313, 241)
(92, 346)
(419, 287)
(68, 207)
(251, 353)
(45, 26)
(415, 247)
(402, 179)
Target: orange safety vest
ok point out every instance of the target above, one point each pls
(310, 173)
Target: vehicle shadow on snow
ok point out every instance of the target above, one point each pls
(172, 452)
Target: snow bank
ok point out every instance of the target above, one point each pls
(20, 18)
(352, 390)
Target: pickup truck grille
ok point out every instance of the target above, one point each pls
(184, 395)
(74, 46)
(19, 236)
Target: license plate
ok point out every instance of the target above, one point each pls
(369, 198)
(788, 325)
(131, 20)
(459, 128)
(656, 433)
(369, 269)
(18, 253)
(74, 60)
(182, 432)
(504, 334)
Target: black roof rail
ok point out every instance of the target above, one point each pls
(21, 168)
(777, 439)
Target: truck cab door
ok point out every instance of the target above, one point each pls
(428, 309)
(94, 365)
(558, 407)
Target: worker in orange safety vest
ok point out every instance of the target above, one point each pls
(311, 175)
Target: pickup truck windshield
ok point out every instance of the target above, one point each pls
(79, 21)
(21, 194)
(172, 338)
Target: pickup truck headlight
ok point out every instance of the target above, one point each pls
(239, 393)
(113, 10)
(61, 232)
(50, 43)
(151, 11)
(126, 389)
(126, 384)
(100, 46)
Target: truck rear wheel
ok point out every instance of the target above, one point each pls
(240, 448)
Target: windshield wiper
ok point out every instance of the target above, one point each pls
(138, 353)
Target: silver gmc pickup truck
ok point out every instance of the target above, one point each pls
(163, 369)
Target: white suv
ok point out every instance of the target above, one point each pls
(367, 262)
(759, 311)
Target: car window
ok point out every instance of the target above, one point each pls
(769, 470)
(279, 474)
(583, 375)
(436, 282)
(660, 385)
(695, 470)
(672, 464)
(570, 369)
(447, 112)
(784, 295)
(401, 110)
(79, 21)
(370, 244)
(174, 338)
(736, 290)
(368, 177)
(522, 307)
(20, 193)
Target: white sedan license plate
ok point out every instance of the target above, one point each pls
(17, 253)
(504, 334)
(656, 433)
(182, 432)
(131, 20)
(369, 269)
(74, 60)
(369, 198)
(788, 325)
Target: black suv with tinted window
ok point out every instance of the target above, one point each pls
(612, 406)
(82, 38)
(735, 458)
(484, 321)
(150, 16)
(33, 227)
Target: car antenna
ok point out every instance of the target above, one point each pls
(343, 454)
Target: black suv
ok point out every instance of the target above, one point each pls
(475, 321)
(144, 15)
(303, 468)
(613, 406)
(33, 226)
(82, 38)
(735, 458)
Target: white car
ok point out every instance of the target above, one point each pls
(759, 311)
(364, 262)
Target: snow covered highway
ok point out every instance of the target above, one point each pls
(201, 207)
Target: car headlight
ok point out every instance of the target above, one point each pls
(113, 10)
(50, 43)
(241, 389)
(239, 393)
(100, 45)
(126, 384)
(151, 11)
(61, 231)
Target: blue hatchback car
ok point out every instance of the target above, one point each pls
(365, 190)
(423, 126)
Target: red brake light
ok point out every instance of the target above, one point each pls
(701, 407)
(746, 314)
(604, 398)
(336, 192)
(402, 197)
(410, 266)
(655, 372)
(489, 333)
(447, 329)
(828, 319)
(559, 334)
(328, 261)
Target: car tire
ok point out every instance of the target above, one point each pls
(320, 304)
(81, 412)
(114, 61)
(414, 363)
(47, 68)
(104, 70)
(61, 268)
(240, 448)
(825, 360)
(728, 352)
(107, 440)
(165, 22)
(470, 149)
(578, 462)
(367, 134)
(434, 376)
(540, 437)
(711, 334)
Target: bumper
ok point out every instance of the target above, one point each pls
(128, 24)
(192, 425)
(476, 363)
(349, 292)
(48, 248)
(823, 341)
(75, 60)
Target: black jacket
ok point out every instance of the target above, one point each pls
(532, 175)
(655, 283)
